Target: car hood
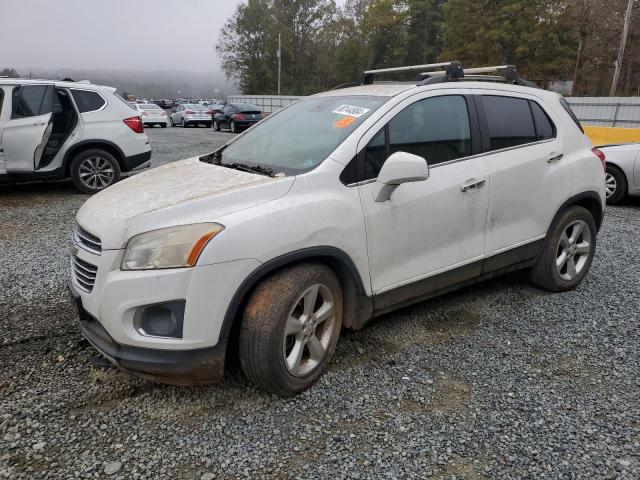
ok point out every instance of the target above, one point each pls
(180, 193)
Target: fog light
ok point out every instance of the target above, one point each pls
(160, 319)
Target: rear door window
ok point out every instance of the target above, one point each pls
(509, 121)
(32, 100)
(87, 101)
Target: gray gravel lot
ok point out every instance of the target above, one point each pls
(501, 380)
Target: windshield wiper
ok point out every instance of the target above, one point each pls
(260, 170)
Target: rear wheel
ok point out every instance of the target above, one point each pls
(616, 184)
(233, 127)
(183, 124)
(290, 328)
(163, 125)
(216, 126)
(94, 170)
(568, 251)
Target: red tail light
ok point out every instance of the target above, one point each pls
(189, 112)
(237, 116)
(135, 124)
(598, 153)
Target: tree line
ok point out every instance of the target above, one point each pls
(324, 45)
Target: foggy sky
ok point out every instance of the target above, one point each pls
(112, 34)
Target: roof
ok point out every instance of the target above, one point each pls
(57, 83)
(393, 89)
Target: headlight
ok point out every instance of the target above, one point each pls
(173, 247)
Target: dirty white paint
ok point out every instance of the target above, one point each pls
(168, 185)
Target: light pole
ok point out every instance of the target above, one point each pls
(623, 41)
(279, 53)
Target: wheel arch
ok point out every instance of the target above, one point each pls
(79, 147)
(358, 306)
(589, 200)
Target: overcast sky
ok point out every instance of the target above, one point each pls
(112, 34)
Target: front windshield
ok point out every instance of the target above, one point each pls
(298, 138)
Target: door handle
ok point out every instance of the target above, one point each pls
(472, 185)
(554, 157)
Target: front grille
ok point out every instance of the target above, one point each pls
(84, 274)
(87, 240)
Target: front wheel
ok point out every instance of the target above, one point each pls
(568, 251)
(290, 328)
(94, 170)
(615, 184)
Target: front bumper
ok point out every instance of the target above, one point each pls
(178, 367)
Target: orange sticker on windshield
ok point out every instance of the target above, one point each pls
(344, 122)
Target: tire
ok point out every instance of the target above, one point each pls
(94, 170)
(616, 184)
(171, 122)
(216, 126)
(571, 241)
(233, 127)
(183, 124)
(163, 125)
(267, 353)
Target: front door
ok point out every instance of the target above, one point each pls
(434, 226)
(26, 132)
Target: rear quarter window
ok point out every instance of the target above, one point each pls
(545, 129)
(571, 113)
(88, 101)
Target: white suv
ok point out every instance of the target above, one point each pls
(52, 130)
(338, 208)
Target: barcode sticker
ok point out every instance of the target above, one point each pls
(351, 111)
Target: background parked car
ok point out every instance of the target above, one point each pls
(237, 116)
(190, 114)
(152, 114)
(623, 170)
(53, 129)
(213, 109)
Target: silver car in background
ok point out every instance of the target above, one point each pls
(152, 114)
(623, 170)
(188, 114)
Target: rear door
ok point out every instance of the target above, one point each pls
(524, 153)
(26, 132)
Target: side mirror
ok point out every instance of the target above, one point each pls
(401, 167)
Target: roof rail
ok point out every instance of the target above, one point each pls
(453, 69)
(452, 72)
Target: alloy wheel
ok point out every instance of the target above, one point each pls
(309, 330)
(610, 185)
(574, 250)
(96, 172)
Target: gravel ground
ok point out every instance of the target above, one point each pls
(501, 380)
